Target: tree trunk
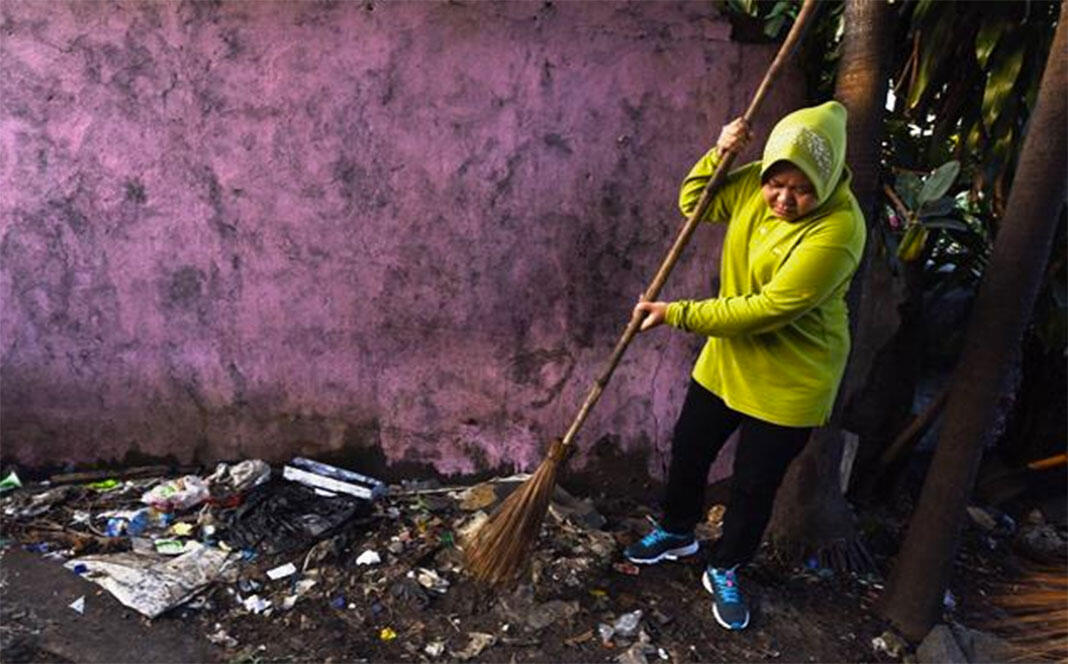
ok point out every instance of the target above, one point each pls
(810, 512)
(913, 598)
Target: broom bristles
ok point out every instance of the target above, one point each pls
(498, 552)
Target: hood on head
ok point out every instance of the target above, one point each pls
(814, 140)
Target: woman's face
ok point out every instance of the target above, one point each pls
(788, 192)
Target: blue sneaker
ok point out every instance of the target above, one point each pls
(728, 603)
(660, 545)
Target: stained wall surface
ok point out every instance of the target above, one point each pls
(417, 229)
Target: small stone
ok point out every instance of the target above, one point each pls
(939, 647)
(979, 646)
(982, 518)
(1042, 543)
(543, 615)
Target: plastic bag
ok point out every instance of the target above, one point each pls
(182, 493)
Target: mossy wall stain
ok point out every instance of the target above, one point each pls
(411, 231)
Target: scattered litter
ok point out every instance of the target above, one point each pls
(633, 655)
(78, 605)
(578, 639)
(220, 638)
(103, 486)
(468, 528)
(300, 588)
(256, 604)
(179, 494)
(478, 497)
(323, 476)
(248, 585)
(10, 481)
(27, 506)
(279, 517)
(430, 579)
(434, 648)
(630, 569)
(282, 571)
(174, 547)
(889, 643)
(238, 478)
(338, 602)
(580, 512)
(627, 624)
(949, 602)
(368, 557)
(182, 529)
(478, 642)
(387, 634)
(151, 586)
(606, 632)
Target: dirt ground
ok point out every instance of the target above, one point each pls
(415, 603)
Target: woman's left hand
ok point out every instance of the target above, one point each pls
(654, 312)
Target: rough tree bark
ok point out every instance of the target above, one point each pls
(811, 515)
(1002, 309)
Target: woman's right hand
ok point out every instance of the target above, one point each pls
(734, 136)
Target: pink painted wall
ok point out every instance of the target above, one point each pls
(259, 228)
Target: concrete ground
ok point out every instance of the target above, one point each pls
(38, 625)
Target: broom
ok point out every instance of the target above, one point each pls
(498, 551)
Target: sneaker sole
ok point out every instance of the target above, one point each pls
(715, 610)
(670, 554)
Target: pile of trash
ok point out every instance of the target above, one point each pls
(316, 544)
(154, 543)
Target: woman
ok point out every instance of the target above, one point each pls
(778, 336)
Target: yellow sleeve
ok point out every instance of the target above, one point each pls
(740, 182)
(809, 276)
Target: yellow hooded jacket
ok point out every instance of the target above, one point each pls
(778, 334)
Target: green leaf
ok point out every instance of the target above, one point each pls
(772, 27)
(779, 8)
(936, 33)
(937, 208)
(749, 6)
(922, 7)
(908, 186)
(1001, 81)
(939, 182)
(986, 39)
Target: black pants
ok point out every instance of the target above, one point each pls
(764, 452)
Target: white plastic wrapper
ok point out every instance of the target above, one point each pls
(179, 494)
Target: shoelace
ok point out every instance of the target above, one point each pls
(726, 586)
(654, 536)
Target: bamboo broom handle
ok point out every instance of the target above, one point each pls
(690, 226)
